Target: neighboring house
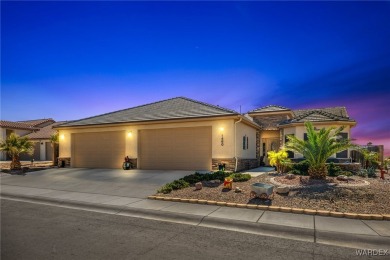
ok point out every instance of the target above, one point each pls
(19, 128)
(173, 134)
(358, 157)
(32, 129)
(278, 122)
(43, 147)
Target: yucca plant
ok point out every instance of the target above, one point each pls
(14, 145)
(318, 148)
(278, 159)
(370, 158)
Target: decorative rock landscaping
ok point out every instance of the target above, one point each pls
(354, 198)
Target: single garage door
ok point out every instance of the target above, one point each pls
(175, 148)
(98, 150)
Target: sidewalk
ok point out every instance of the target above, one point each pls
(325, 230)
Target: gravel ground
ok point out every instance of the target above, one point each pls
(374, 198)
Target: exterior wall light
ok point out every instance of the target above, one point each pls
(129, 134)
(221, 130)
(62, 137)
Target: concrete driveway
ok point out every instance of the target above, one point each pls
(117, 182)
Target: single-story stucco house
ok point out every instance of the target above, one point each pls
(38, 130)
(185, 134)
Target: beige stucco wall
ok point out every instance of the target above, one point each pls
(218, 151)
(242, 130)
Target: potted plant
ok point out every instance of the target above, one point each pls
(126, 164)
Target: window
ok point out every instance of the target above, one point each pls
(263, 149)
(343, 154)
(245, 142)
(305, 137)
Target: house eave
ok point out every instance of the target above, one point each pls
(146, 122)
(337, 122)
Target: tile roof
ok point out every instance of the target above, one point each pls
(319, 115)
(38, 122)
(45, 132)
(270, 108)
(174, 108)
(17, 125)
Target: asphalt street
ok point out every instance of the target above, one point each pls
(35, 231)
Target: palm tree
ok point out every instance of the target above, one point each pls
(54, 140)
(14, 145)
(278, 159)
(369, 157)
(318, 148)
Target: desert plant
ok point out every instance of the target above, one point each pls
(278, 159)
(14, 145)
(370, 158)
(345, 173)
(362, 173)
(300, 168)
(179, 184)
(167, 188)
(333, 170)
(54, 140)
(371, 172)
(386, 164)
(318, 148)
(240, 177)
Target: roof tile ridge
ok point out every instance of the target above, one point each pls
(282, 107)
(210, 105)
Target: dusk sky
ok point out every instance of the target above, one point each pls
(70, 60)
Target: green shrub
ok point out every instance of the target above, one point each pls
(240, 177)
(295, 171)
(300, 168)
(179, 184)
(346, 173)
(333, 170)
(193, 178)
(220, 175)
(371, 172)
(362, 173)
(167, 188)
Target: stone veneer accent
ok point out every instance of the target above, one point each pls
(258, 145)
(352, 167)
(230, 164)
(66, 159)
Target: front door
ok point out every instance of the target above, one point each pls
(270, 144)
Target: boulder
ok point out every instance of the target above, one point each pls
(237, 190)
(342, 178)
(290, 176)
(282, 189)
(212, 183)
(198, 186)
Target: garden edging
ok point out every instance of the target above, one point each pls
(280, 209)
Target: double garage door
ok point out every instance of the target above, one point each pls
(158, 149)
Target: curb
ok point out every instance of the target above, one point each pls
(280, 209)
